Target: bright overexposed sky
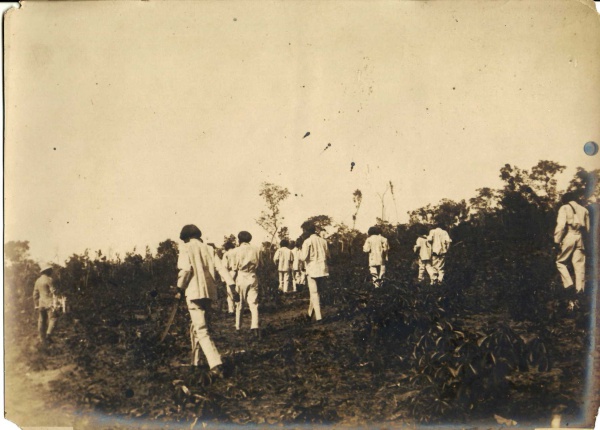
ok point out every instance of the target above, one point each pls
(127, 120)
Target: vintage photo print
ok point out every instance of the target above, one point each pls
(363, 214)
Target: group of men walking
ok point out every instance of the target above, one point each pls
(290, 266)
(198, 265)
(303, 261)
(431, 249)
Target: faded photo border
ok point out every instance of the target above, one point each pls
(222, 122)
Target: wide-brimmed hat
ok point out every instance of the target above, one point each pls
(45, 266)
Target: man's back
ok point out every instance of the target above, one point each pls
(200, 258)
(44, 290)
(229, 259)
(440, 240)
(572, 218)
(247, 258)
(296, 263)
(284, 257)
(316, 254)
(424, 248)
(377, 247)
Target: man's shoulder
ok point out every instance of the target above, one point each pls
(583, 208)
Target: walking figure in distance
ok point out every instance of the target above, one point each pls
(228, 262)
(44, 300)
(296, 266)
(377, 247)
(572, 223)
(423, 248)
(284, 260)
(247, 260)
(315, 255)
(440, 242)
(197, 264)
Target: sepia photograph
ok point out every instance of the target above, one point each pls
(300, 213)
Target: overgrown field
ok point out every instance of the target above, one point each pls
(493, 345)
(405, 353)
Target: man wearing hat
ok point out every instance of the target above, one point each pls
(43, 300)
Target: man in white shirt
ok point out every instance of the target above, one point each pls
(228, 261)
(296, 266)
(315, 255)
(572, 223)
(423, 247)
(197, 264)
(44, 299)
(247, 260)
(284, 259)
(377, 247)
(440, 242)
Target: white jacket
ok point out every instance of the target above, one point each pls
(440, 241)
(569, 216)
(377, 247)
(315, 254)
(197, 263)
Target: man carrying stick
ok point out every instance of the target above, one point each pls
(197, 264)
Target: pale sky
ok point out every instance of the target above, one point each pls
(127, 120)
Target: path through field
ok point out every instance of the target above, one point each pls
(108, 372)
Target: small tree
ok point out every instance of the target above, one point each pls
(228, 239)
(321, 222)
(382, 198)
(586, 184)
(283, 233)
(357, 199)
(394, 199)
(271, 219)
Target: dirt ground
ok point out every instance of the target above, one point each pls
(111, 373)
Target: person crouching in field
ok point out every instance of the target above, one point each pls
(572, 224)
(228, 261)
(247, 260)
(44, 299)
(377, 247)
(296, 266)
(315, 254)
(423, 248)
(284, 260)
(197, 264)
(440, 242)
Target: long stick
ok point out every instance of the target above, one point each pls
(170, 320)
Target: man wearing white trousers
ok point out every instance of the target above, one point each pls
(296, 266)
(377, 247)
(315, 255)
(247, 260)
(197, 264)
(44, 299)
(228, 261)
(284, 259)
(423, 248)
(572, 223)
(440, 242)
